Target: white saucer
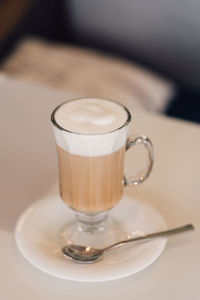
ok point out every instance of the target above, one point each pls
(37, 231)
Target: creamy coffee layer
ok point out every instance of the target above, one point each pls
(91, 126)
(91, 184)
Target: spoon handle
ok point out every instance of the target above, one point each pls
(154, 235)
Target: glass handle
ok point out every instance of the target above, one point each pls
(144, 140)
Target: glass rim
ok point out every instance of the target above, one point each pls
(53, 119)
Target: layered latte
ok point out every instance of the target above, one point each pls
(91, 135)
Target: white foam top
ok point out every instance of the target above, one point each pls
(91, 116)
(92, 126)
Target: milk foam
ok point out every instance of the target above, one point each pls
(91, 125)
(91, 116)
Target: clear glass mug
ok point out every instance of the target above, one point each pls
(92, 180)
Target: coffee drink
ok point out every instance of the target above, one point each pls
(91, 183)
(91, 135)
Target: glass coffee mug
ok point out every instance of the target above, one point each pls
(92, 138)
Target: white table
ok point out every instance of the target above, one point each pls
(28, 168)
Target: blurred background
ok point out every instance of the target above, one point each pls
(145, 52)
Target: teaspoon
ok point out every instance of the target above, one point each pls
(89, 254)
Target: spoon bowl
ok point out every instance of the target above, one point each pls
(87, 254)
(83, 254)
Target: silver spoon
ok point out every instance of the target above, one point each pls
(89, 254)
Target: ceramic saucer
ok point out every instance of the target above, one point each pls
(37, 232)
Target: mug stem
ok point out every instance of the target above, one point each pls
(92, 223)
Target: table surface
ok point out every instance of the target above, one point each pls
(29, 168)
